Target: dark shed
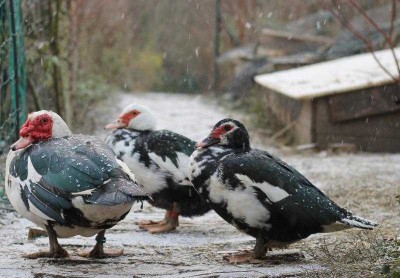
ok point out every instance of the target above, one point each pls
(349, 100)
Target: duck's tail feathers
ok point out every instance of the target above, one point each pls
(358, 222)
(117, 192)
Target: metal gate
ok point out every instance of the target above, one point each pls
(12, 71)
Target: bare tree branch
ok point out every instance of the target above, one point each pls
(392, 18)
(379, 29)
(345, 23)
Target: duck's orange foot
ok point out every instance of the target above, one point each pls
(162, 228)
(145, 223)
(59, 253)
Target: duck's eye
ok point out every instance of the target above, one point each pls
(133, 113)
(227, 127)
(44, 121)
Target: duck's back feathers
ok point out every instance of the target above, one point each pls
(166, 150)
(54, 173)
(279, 185)
(167, 144)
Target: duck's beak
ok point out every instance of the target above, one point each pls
(115, 125)
(23, 142)
(209, 141)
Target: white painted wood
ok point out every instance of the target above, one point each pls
(332, 77)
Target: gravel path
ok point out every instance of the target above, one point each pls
(365, 183)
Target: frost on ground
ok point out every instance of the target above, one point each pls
(364, 183)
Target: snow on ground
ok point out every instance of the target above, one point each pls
(365, 183)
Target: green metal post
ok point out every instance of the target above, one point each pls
(17, 68)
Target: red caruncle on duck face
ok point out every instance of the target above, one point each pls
(123, 120)
(216, 135)
(39, 129)
(127, 117)
(34, 130)
(219, 131)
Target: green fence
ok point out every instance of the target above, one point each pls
(12, 71)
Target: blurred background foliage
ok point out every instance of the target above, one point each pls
(80, 51)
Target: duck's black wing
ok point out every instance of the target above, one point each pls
(291, 200)
(170, 151)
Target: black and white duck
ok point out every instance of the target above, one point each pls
(159, 159)
(260, 194)
(68, 184)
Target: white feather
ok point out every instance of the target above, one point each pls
(241, 203)
(355, 223)
(125, 168)
(274, 193)
(178, 173)
(151, 178)
(83, 193)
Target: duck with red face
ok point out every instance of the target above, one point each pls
(260, 194)
(36, 128)
(68, 184)
(159, 159)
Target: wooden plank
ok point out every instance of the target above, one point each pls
(306, 38)
(332, 77)
(303, 125)
(378, 133)
(383, 125)
(365, 144)
(284, 110)
(365, 103)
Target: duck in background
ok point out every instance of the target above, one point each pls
(260, 194)
(68, 184)
(159, 159)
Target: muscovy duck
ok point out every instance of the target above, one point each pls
(159, 159)
(68, 184)
(260, 194)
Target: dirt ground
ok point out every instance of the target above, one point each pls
(366, 184)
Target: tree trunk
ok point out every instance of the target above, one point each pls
(217, 40)
(73, 53)
(63, 101)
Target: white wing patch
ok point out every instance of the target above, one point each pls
(33, 175)
(151, 179)
(241, 203)
(178, 173)
(274, 193)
